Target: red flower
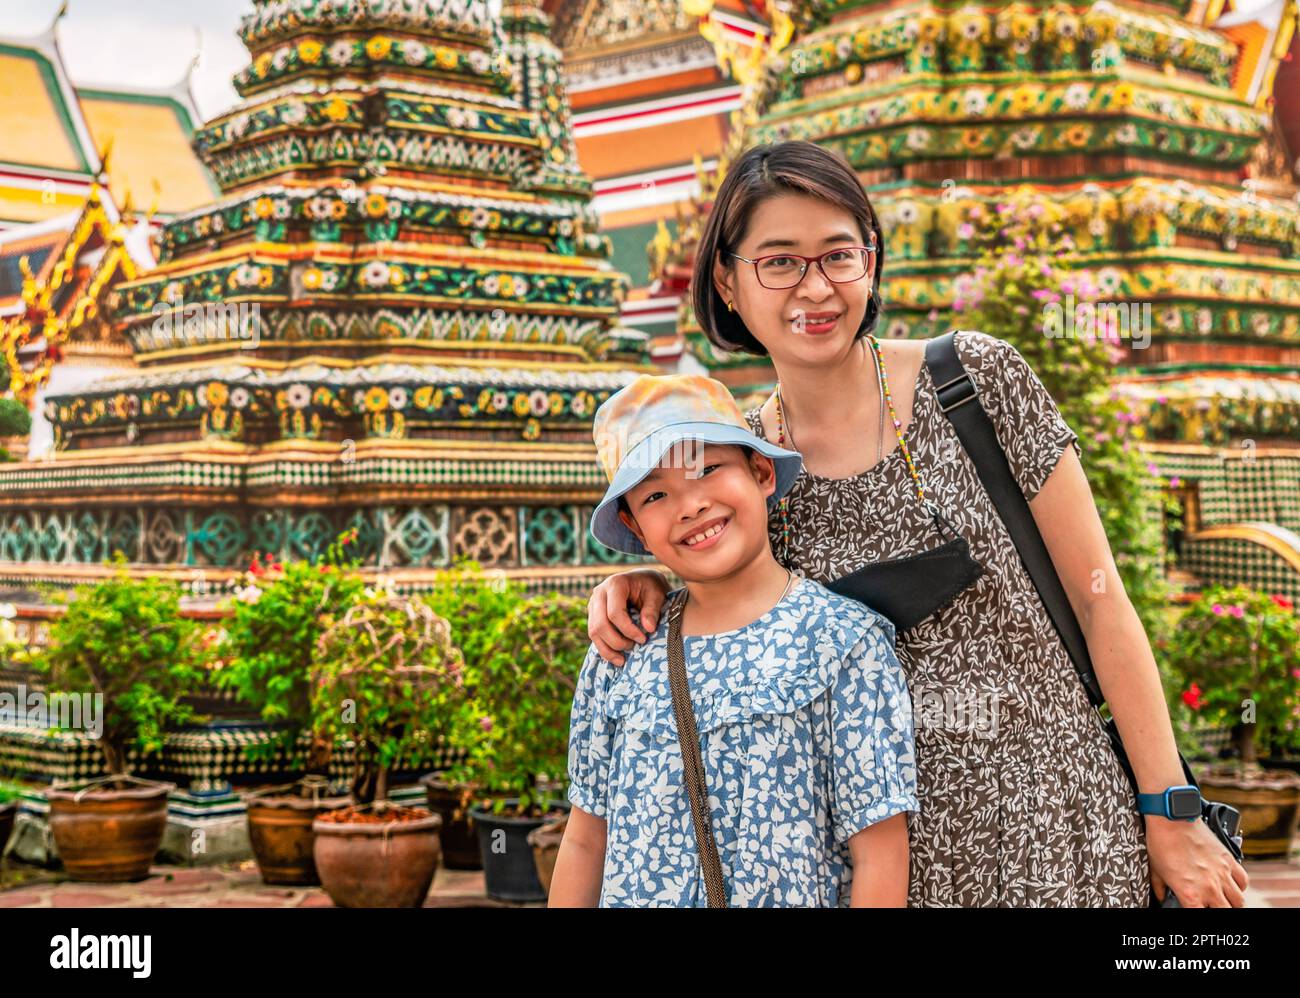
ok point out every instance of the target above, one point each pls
(1282, 602)
(1192, 697)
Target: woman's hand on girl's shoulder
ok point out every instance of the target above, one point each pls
(609, 626)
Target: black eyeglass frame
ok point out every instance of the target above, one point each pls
(808, 261)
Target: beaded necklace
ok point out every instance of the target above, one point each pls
(783, 507)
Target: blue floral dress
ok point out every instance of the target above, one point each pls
(805, 730)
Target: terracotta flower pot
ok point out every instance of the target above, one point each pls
(378, 864)
(7, 812)
(1269, 802)
(509, 870)
(280, 830)
(107, 835)
(546, 849)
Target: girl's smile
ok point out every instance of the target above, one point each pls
(708, 535)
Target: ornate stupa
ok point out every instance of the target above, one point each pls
(399, 316)
(653, 89)
(1163, 132)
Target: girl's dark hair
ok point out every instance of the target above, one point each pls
(765, 171)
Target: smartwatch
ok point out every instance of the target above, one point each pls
(1181, 803)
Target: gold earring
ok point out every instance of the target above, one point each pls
(728, 306)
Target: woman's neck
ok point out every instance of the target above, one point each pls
(728, 603)
(805, 389)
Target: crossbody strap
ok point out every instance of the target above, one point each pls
(692, 765)
(959, 401)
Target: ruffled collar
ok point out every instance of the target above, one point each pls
(801, 645)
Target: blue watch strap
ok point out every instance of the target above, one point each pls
(1159, 804)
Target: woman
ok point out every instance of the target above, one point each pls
(1031, 808)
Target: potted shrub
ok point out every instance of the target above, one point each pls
(123, 643)
(474, 603)
(379, 679)
(1238, 653)
(524, 695)
(277, 615)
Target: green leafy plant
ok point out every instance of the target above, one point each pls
(1237, 652)
(15, 420)
(277, 615)
(475, 603)
(523, 698)
(385, 675)
(1024, 261)
(125, 639)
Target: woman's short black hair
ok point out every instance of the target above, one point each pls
(765, 171)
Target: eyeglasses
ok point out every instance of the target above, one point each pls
(844, 265)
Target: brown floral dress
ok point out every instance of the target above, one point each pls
(1039, 814)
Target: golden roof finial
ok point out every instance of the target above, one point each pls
(106, 157)
(157, 199)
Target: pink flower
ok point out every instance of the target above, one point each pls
(1237, 612)
(1175, 482)
(965, 230)
(1217, 610)
(485, 723)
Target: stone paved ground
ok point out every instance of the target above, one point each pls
(234, 885)
(1274, 884)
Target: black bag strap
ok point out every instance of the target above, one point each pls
(959, 401)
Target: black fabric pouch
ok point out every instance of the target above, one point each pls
(908, 590)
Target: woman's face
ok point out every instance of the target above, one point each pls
(814, 322)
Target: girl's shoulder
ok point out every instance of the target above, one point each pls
(828, 610)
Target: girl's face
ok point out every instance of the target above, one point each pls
(720, 491)
(814, 322)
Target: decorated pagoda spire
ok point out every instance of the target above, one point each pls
(539, 80)
(399, 317)
(1159, 134)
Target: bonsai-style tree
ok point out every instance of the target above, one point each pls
(125, 640)
(277, 616)
(1237, 652)
(387, 676)
(523, 698)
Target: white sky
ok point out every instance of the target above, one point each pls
(147, 43)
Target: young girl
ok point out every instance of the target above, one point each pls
(802, 712)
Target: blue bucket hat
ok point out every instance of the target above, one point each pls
(636, 426)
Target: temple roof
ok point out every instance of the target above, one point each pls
(149, 133)
(56, 133)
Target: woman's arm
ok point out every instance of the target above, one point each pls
(580, 865)
(880, 861)
(1185, 856)
(609, 627)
